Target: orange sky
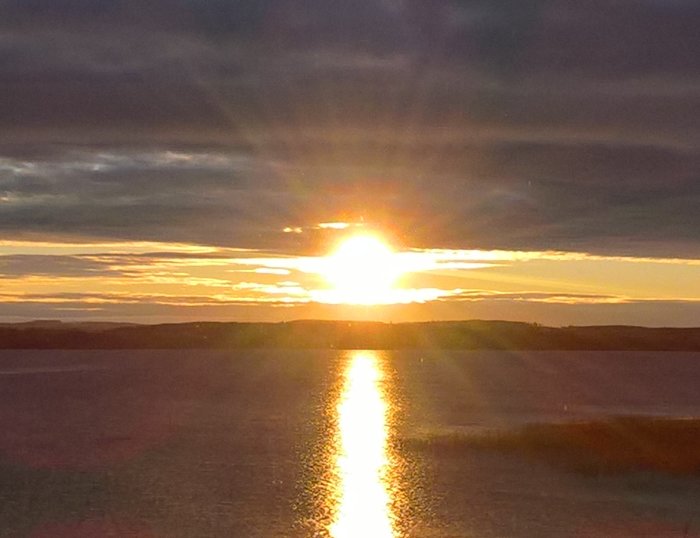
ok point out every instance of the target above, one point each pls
(148, 282)
(526, 160)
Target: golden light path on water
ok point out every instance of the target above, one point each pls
(363, 467)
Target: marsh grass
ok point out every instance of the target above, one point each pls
(618, 445)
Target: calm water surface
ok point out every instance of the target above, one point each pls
(320, 444)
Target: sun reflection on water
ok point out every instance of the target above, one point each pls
(363, 466)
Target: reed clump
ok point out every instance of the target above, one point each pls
(618, 445)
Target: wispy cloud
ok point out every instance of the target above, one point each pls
(537, 297)
(496, 256)
(134, 275)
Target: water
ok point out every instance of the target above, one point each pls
(319, 444)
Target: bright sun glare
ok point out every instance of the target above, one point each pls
(362, 270)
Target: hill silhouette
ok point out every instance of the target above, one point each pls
(312, 334)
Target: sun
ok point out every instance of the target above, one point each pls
(362, 270)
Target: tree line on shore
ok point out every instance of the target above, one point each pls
(345, 335)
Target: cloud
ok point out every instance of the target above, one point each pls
(87, 300)
(457, 123)
(157, 195)
(116, 280)
(536, 297)
(19, 266)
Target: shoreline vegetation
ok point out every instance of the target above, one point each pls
(605, 447)
(467, 335)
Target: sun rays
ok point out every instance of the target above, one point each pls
(362, 270)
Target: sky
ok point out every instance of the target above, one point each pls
(175, 160)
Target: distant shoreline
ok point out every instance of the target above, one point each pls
(466, 335)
